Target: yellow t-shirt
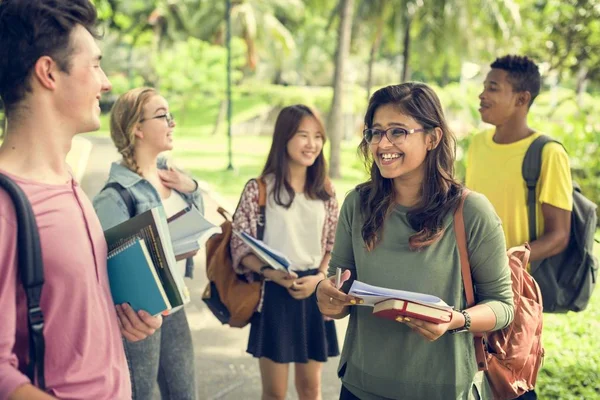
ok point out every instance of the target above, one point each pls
(495, 170)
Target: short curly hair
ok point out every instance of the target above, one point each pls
(30, 29)
(523, 74)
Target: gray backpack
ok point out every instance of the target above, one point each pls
(568, 278)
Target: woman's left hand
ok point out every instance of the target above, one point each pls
(304, 287)
(177, 180)
(428, 330)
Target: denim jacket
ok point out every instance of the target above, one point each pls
(111, 208)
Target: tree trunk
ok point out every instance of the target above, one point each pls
(374, 48)
(446, 73)
(581, 83)
(336, 118)
(278, 76)
(406, 51)
(220, 117)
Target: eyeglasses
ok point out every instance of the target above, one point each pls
(394, 135)
(168, 117)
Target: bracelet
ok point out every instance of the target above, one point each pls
(317, 288)
(467, 325)
(323, 273)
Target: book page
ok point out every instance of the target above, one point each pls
(374, 294)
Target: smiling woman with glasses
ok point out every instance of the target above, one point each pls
(141, 127)
(396, 231)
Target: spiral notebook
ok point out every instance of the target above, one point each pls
(133, 278)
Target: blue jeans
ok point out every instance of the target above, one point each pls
(166, 357)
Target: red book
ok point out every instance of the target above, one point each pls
(394, 308)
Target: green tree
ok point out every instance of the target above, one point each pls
(335, 124)
(568, 37)
(442, 32)
(258, 22)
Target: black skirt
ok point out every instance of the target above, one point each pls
(289, 330)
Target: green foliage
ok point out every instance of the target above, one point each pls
(318, 97)
(193, 71)
(566, 34)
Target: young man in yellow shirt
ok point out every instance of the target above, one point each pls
(495, 158)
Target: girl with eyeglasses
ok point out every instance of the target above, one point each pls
(141, 128)
(301, 217)
(396, 231)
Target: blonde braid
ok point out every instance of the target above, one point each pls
(129, 160)
(125, 114)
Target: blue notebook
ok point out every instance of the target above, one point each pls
(133, 278)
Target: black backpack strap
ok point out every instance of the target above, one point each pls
(531, 169)
(32, 276)
(262, 214)
(125, 195)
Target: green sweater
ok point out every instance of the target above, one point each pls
(383, 359)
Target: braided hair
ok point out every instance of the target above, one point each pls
(125, 114)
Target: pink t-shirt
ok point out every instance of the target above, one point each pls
(84, 357)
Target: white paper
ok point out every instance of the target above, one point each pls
(375, 294)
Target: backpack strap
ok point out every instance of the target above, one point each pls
(125, 195)
(465, 268)
(262, 208)
(531, 169)
(32, 276)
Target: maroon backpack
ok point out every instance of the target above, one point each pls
(511, 357)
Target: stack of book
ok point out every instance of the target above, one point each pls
(142, 255)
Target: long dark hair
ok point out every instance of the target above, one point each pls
(440, 192)
(286, 126)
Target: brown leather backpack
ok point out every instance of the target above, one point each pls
(229, 296)
(511, 356)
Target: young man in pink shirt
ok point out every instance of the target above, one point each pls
(51, 82)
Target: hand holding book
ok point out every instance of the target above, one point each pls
(429, 330)
(425, 314)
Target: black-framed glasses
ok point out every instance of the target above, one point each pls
(395, 135)
(167, 116)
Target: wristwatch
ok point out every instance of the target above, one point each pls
(467, 324)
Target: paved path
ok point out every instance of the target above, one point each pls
(224, 370)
